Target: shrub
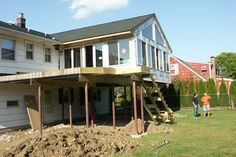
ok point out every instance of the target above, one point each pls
(182, 94)
(223, 97)
(191, 91)
(212, 92)
(232, 92)
(201, 89)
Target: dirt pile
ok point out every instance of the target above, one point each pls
(77, 142)
(149, 127)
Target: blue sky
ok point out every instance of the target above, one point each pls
(196, 29)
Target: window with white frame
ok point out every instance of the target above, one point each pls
(153, 57)
(7, 49)
(147, 32)
(149, 56)
(98, 50)
(174, 69)
(204, 68)
(158, 37)
(47, 55)
(118, 52)
(29, 51)
(161, 60)
(166, 62)
(139, 42)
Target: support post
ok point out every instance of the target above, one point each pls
(132, 107)
(135, 108)
(86, 104)
(92, 107)
(70, 107)
(113, 108)
(63, 106)
(142, 111)
(40, 111)
(125, 93)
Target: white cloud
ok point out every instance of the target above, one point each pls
(85, 8)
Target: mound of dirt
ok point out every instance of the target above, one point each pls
(76, 142)
(149, 127)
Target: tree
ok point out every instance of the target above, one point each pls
(226, 62)
(212, 92)
(182, 93)
(223, 97)
(201, 89)
(191, 91)
(232, 91)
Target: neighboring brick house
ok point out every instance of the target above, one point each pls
(186, 70)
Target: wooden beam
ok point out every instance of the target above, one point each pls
(70, 107)
(113, 108)
(40, 111)
(56, 83)
(135, 108)
(108, 79)
(92, 107)
(97, 37)
(86, 104)
(142, 109)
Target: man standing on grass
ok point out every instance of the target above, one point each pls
(206, 104)
(195, 106)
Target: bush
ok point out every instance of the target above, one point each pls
(201, 89)
(182, 93)
(212, 92)
(232, 92)
(223, 97)
(191, 91)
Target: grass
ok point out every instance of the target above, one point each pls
(206, 137)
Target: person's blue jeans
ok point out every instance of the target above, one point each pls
(195, 111)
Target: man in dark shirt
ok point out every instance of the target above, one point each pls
(195, 105)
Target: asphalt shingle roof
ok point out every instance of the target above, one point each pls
(25, 30)
(102, 29)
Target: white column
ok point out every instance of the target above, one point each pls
(72, 58)
(105, 55)
(83, 61)
(94, 56)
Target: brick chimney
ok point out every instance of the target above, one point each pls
(213, 68)
(20, 21)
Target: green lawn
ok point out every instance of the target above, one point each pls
(204, 137)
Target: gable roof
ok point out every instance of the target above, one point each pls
(25, 30)
(102, 29)
(190, 68)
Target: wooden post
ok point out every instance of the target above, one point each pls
(86, 104)
(63, 106)
(142, 112)
(92, 107)
(132, 107)
(40, 111)
(113, 108)
(125, 93)
(70, 107)
(135, 108)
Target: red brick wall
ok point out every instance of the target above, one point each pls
(198, 66)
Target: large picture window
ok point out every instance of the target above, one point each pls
(157, 59)
(144, 53)
(158, 37)
(98, 48)
(166, 62)
(113, 53)
(124, 51)
(139, 52)
(67, 55)
(7, 49)
(147, 32)
(161, 59)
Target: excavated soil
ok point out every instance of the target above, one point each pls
(62, 141)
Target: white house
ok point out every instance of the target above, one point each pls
(104, 55)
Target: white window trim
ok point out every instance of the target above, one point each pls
(45, 47)
(27, 42)
(7, 38)
(176, 69)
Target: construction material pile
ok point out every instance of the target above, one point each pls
(76, 142)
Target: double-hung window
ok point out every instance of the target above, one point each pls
(29, 51)
(7, 49)
(47, 55)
